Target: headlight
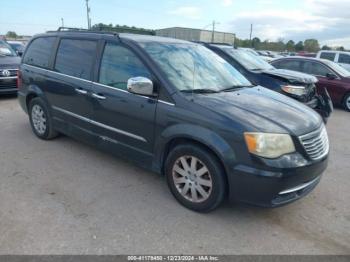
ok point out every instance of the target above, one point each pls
(269, 145)
(294, 90)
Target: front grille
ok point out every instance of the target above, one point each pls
(316, 143)
(8, 84)
(13, 72)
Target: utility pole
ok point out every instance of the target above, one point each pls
(88, 14)
(213, 31)
(251, 32)
(62, 22)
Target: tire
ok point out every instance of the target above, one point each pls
(186, 182)
(40, 119)
(346, 102)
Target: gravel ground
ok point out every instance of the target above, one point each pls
(63, 197)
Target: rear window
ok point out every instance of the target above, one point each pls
(76, 57)
(327, 55)
(344, 59)
(39, 51)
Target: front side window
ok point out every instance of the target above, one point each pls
(192, 66)
(344, 59)
(248, 60)
(338, 69)
(39, 52)
(76, 57)
(317, 69)
(328, 56)
(118, 65)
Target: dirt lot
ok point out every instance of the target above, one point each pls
(63, 197)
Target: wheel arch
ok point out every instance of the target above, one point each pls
(187, 133)
(33, 92)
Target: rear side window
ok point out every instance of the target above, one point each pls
(76, 57)
(344, 59)
(288, 64)
(314, 68)
(39, 52)
(118, 65)
(328, 56)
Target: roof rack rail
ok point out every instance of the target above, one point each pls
(84, 30)
(63, 28)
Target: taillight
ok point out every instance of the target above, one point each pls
(19, 79)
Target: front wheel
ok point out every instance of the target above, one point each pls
(347, 102)
(195, 177)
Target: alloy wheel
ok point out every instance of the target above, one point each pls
(39, 119)
(192, 179)
(347, 103)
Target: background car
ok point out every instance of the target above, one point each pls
(17, 46)
(9, 63)
(339, 57)
(293, 84)
(330, 75)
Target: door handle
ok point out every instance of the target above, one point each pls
(81, 91)
(97, 96)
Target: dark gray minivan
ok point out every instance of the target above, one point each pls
(178, 109)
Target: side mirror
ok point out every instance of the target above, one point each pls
(19, 53)
(331, 76)
(140, 86)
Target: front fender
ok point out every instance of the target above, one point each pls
(199, 134)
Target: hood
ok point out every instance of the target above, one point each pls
(292, 76)
(10, 62)
(260, 109)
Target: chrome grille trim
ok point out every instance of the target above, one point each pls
(316, 143)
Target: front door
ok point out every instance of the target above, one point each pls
(123, 121)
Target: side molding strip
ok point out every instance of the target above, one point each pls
(100, 124)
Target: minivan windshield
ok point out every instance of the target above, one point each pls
(6, 50)
(248, 60)
(191, 67)
(337, 68)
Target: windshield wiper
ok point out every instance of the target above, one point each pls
(200, 91)
(228, 89)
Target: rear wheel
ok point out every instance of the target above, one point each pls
(195, 177)
(40, 119)
(347, 102)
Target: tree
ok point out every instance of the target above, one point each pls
(311, 45)
(11, 34)
(340, 48)
(256, 42)
(123, 29)
(290, 46)
(299, 46)
(326, 47)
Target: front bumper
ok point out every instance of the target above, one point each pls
(275, 187)
(322, 104)
(8, 85)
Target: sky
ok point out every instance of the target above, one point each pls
(326, 20)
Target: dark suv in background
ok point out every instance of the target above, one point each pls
(178, 109)
(299, 86)
(9, 63)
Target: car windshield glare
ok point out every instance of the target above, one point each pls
(248, 60)
(337, 68)
(192, 67)
(6, 50)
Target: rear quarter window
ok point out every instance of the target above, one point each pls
(39, 52)
(76, 57)
(328, 55)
